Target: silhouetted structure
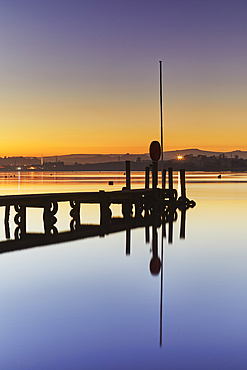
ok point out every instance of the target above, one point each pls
(140, 207)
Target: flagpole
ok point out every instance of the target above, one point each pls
(161, 123)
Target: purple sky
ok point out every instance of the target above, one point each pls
(87, 72)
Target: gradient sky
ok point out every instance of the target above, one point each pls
(83, 76)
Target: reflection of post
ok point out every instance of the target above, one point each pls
(170, 234)
(20, 220)
(75, 214)
(170, 228)
(155, 263)
(127, 241)
(50, 209)
(163, 230)
(127, 175)
(6, 222)
(105, 212)
(182, 227)
(147, 238)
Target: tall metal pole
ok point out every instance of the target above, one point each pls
(161, 122)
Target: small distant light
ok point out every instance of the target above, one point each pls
(180, 157)
(18, 168)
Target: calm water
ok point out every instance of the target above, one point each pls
(86, 305)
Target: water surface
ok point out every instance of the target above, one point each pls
(85, 304)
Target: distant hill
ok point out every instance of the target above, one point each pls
(71, 159)
(174, 153)
(104, 158)
(95, 158)
(240, 153)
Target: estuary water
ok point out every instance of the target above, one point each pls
(86, 304)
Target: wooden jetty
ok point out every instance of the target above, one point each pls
(140, 208)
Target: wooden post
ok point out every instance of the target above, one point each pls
(170, 178)
(146, 177)
(164, 178)
(155, 174)
(127, 175)
(182, 179)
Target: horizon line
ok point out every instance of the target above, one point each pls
(122, 154)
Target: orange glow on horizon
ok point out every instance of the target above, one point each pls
(108, 150)
(112, 127)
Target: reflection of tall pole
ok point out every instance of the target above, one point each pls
(161, 282)
(147, 238)
(161, 122)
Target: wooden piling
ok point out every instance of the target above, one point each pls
(155, 174)
(170, 178)
(164, 178)
(182, 180)
(146, 177)
(127, 175)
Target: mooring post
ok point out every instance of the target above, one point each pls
(182, 179)
(164, 178)
(146, 177)
(127, 175)
(170, 178)
(155, 174)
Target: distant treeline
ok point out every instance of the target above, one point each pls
(188, 162)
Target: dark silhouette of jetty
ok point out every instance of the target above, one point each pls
(140, 208)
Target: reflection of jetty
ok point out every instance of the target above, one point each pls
(140, 208)
(25, 240)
